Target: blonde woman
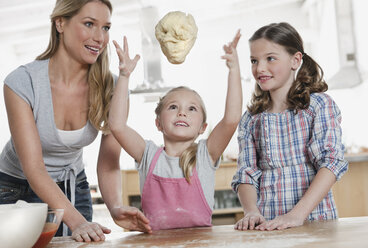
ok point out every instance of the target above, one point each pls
(177, 180)
(56, 105)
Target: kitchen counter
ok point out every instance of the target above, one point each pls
(345, 232)
(357, 157)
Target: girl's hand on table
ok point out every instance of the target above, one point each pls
(90, 231)
(131, 218)
(249, 221)
(281, 222)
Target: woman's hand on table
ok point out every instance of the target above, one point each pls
(130, 218)
(281, 222)
(249, 221)
(90, 231)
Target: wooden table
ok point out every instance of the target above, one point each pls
(345, 232)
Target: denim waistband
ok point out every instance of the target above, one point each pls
(11, 179)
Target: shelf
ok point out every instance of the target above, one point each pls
(221, 211)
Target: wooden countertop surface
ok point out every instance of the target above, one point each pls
(345, 232)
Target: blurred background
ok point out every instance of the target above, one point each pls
(334, 33)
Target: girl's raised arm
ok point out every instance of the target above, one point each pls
(128, 138)
(224, 130)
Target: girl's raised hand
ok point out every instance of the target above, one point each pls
(126, 65)
(231, 56)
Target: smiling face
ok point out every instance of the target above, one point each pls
(84, 36)
(272, 66)
(181, 117)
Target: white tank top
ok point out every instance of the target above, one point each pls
(70, 138)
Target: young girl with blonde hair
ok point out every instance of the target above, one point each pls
(177, 180)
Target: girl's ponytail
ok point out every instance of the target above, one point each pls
(308, 80)
(188, 160)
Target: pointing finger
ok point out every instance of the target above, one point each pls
(235, 41)
(126, 50)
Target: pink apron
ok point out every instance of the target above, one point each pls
(173, 202)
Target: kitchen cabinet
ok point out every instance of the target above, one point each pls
(351, 191)
(227, 207)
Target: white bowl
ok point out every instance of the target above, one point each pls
(21, 223)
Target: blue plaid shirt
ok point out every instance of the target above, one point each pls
(281, 153)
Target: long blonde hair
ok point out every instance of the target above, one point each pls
(308, 80)
(100, 79)
(188, 158)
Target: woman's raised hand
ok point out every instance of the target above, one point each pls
(126, 65)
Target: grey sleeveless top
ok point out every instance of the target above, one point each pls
(31, 82)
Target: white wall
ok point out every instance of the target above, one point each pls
(360, 8)
(205, 72)
(353, 102)
(203, 69)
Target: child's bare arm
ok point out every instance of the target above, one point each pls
(128, 138)
(224, 130)
(318, 189)
(252, 217)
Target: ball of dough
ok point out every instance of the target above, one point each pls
(176, 32)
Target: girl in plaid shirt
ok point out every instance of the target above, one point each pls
(290, 150)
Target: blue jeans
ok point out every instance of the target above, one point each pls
(13, 189)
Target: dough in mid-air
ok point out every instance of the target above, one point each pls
(176, 32)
